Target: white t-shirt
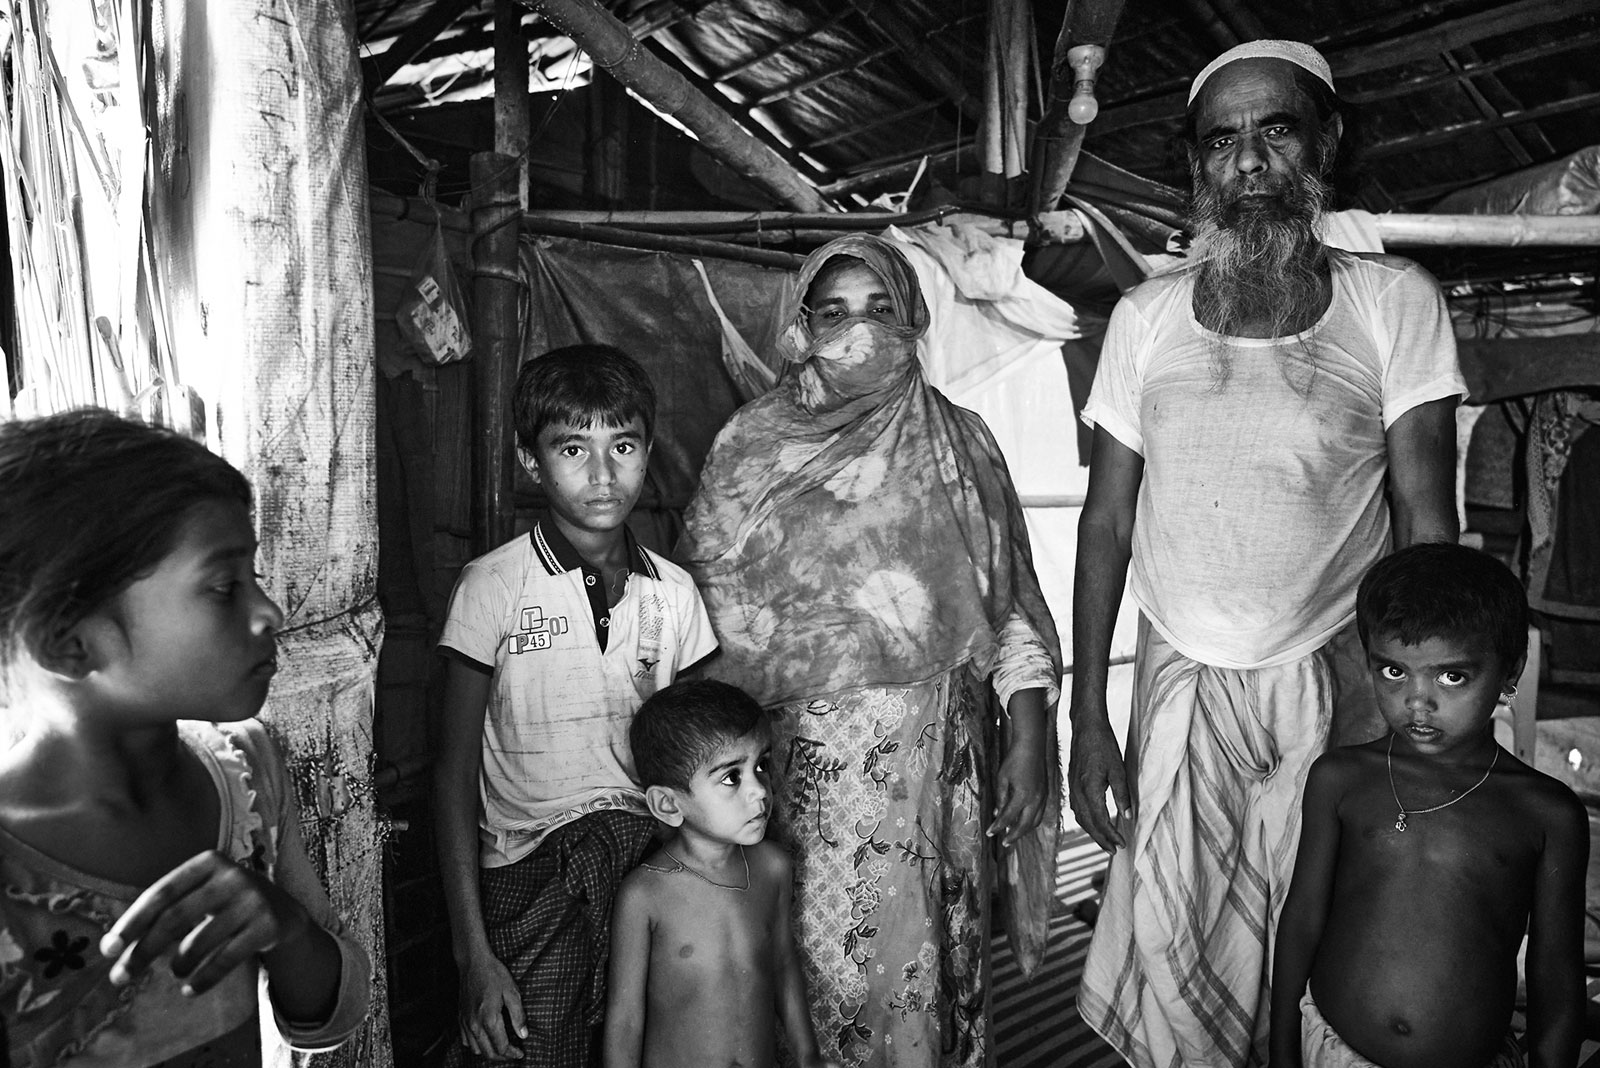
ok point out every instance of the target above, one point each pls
(1262, 503)
(568, 674)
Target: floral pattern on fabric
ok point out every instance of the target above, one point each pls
(54, 986)
(880, 802)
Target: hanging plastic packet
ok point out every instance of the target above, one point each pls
(432, 315)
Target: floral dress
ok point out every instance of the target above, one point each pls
(880, 803)
(55, 993)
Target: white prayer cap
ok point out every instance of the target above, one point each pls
(1301, 55)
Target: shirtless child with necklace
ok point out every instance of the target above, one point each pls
(702, 959)
(1427, 855)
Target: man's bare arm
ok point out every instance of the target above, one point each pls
(1422, 474)
(1105, 544)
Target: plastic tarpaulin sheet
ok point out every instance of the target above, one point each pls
(654, 306)
(1569, 186)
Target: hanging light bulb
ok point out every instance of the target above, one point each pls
(1085, 61)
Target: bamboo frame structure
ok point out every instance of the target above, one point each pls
(1406, 48)
(616, 50)
(1397, 229)
(1057, 140)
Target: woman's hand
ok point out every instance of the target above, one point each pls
(1024, 778)
(217, 914)
(1020, 793)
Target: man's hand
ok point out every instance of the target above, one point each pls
(489, 1002)
(1095, 764)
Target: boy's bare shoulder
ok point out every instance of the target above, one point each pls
(769, 861)
(644, 884)
(1544, 800)
(1345, 765)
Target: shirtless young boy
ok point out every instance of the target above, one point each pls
(1425, 856)
(702, 960)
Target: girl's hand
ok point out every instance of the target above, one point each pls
(218, 915)
(1020, 793)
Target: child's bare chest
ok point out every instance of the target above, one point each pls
(717, 943)
(1468, 858)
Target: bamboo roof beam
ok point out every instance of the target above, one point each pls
(1423, 82)
(783, 92)
(783, 46)
(1445, 134)
(616, 50)
(887, 170)
(855, 63)
(1220, 33)
(1246, 25)
(1487, 110)
(419, 35)
(891, 119)
(1364, 59)
(924, 62)
(758, 121)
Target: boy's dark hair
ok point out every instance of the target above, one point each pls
(582, 385)
(1442, 590)
(89, 503)
(678, 728)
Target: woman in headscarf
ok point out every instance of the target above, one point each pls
(862, 553)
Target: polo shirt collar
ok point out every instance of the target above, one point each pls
(558, 555)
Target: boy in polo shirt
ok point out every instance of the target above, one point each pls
(553, 640)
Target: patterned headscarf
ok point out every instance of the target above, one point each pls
(853, 527)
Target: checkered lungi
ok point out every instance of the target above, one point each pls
(548, 918)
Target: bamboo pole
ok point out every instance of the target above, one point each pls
(654, 242)
(511, 108)
(496, 340)
(1397, 229)
(1058, 139)
(617, 51)
(1402, 230)
(1057, 227)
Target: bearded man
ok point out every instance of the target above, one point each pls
(1267, 423)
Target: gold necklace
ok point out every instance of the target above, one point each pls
(1400, 821)
(681, 866)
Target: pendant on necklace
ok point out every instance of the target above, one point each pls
(1400, 824)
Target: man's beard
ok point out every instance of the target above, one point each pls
(1262, 262)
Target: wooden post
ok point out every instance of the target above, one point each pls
(499, 195)
(496, 342)
(511, 91)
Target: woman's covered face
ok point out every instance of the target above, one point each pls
(847, 288)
